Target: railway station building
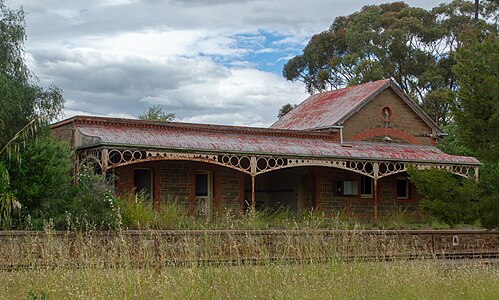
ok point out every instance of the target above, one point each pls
(343, 151)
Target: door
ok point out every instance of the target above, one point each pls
(142, 181)
(204, 193)
(304, 194)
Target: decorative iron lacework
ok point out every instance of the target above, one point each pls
(89, 156)
(254, 165)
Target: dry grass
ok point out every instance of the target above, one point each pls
(333, 280)
(80, 266)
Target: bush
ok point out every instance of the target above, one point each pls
(455, 200)
(89, 204)
(92, 204)
(138, 212)
(488, 207)
(449, 199)
(41, 174)
(41, 181)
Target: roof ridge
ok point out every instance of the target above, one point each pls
(317, 110)
(93, 120)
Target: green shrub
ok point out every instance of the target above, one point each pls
(488, 207)
(455, 200)
(449, 199)
(93, 200)
(41, 174)
(138, 212)
(91, 204)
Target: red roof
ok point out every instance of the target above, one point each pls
(328, 108)
(247, 140)
(331, 108)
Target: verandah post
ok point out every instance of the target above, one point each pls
(253, 175)
(375, 200)
(375, 192)
(253, 193)
(104, 161)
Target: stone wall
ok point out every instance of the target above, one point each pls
(21, 249)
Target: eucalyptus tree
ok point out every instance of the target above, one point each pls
(156, 113)
(413, 46)
(24, 104)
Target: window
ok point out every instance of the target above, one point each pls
(347, 188)
(402, 188)
(386, 113)
(204, 193)
(142, 179)
(366, 187)
(201, 184)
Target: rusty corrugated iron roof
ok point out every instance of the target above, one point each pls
(247, 140)
(328, 108)
(331, 108)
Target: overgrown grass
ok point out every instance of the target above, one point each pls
(332, 280)
(235, 265)
(136, 212)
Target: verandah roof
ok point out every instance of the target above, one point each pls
(247, 140)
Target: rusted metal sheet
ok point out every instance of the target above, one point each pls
(326, 109)
(257, 141)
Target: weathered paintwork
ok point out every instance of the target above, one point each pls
(232, 139)
(326, 109)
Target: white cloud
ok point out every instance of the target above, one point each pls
(167, 43)
(195, 88)
(117, 57)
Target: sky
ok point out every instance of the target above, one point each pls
(217, 62)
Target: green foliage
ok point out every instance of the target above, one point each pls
(457, 200)
(32, 295)
(8, 202)
(477, 111)
(24, 104)
(156, 113)
(285, 109)
(413, 46)
(21, 98)
(93, 202)
(488, 207)
(90, 205)
(10, 152)
(43, 173)
(452, 143)
(449, 199)
(138, 212)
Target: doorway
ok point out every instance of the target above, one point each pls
(204, 193)
(142, 181)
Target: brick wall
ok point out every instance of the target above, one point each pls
(232, 193)
(330, 202)
(403, 123)
(388, 202)
(356, 205)
(64, 133)
(177, 183)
